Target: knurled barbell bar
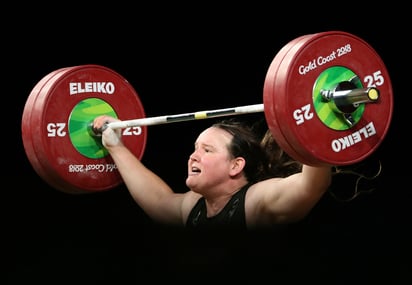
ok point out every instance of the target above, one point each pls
(316, 97)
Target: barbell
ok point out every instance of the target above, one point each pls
(327, 100)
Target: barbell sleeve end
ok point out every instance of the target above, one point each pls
(96, 132)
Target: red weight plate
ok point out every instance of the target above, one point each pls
(271, 103)
(27, 133)
(71, 158)
(297, 88)
(34, 151)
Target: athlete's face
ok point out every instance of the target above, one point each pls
(210, 163)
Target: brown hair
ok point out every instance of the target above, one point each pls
(264, 158)
(281, 164)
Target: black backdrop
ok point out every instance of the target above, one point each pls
(182, 61)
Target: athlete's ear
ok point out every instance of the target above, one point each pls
(237, 166)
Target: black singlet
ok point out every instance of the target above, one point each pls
(232, 215)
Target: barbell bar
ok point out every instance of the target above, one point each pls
(316, 102)
(166, 119)
(344, 99)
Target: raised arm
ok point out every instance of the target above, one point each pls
(285, 200)
(150, 192)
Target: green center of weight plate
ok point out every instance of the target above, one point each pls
(80, 119)
(328, 80)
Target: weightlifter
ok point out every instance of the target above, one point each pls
(235, 179)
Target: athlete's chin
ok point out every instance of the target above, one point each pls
(190, 181)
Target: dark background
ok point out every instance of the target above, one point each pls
(184, 59)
